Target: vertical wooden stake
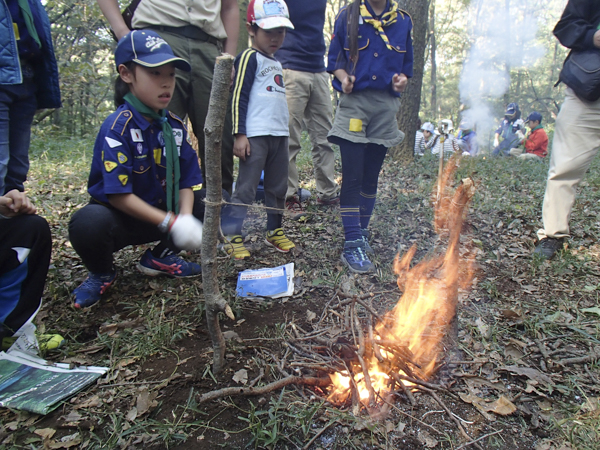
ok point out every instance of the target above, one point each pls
(213, 131)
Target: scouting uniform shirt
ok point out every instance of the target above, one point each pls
(258, 104)
(129, 158)
(377, 63)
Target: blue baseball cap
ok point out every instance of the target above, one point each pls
(534, 116)
(148, 49)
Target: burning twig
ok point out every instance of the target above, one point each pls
(247, 391)
(365, 368)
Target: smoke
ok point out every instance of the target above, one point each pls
(500, 39)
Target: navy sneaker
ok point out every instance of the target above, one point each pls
(90, 291)
(171, 265)
(365, 237)
(355, 257)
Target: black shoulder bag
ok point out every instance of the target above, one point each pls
(581, 72)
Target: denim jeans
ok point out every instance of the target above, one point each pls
(17, 107)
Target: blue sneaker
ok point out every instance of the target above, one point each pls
(366, 235)
(171, 265)
(355, 257)
(89, 292)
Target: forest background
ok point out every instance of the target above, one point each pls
(471, 59)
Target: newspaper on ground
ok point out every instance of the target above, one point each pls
(272, 282)
(32, 384)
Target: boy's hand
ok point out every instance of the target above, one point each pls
(399, 82)
(348, 84)
(241, 147)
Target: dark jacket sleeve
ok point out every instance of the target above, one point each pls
(245, 72)
(577, 25)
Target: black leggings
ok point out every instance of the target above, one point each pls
(25, 246)
(97, 231)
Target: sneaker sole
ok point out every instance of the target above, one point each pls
(277, 248)
(154, 273)
(353, 270)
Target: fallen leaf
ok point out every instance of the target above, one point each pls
(90, 402)
(66, 442)
(45, 433)
(502, 406)
(594, 310)
(427, 439)
(532, 374)
(310, 316)
(510, 314)
(483, 328)
(73, 416)
(241, 376)
(228, 335)
(132, 414)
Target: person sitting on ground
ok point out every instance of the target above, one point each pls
(509, 131)
(25, 247)
(261, 128)
(467, 138)
(142, 175)
(419, 140)
(445, 128)
(536, 142)
(428, 132)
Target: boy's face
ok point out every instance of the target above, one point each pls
(153, 86)
(266, 41)
(427, 134)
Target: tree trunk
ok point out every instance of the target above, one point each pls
(411, 99)
(213, 131)
(243, 37)
(433, 86)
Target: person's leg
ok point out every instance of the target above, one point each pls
(374, 156)
(516, 151)
(576, 142)
(319, 113)
(25, 246)
(17, 108)
(297, 91)
(353, 158)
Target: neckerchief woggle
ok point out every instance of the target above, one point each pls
(387, 18)
(173, 170)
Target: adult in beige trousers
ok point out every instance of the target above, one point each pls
(309, 100)
(577, 133)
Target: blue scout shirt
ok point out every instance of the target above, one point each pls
(129, 158)
(377, 64)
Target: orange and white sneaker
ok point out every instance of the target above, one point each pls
(279, 240)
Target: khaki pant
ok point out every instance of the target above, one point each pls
(576, 142)
(192, 94)
(520, 153)
(309, 100)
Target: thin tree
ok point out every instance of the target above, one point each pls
(213, 132)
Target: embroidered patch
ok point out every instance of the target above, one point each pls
(355, 125)
(112, 143)
(178, 135)
(157, 155)
(136, 135)
(109, 165)
(122, 158)
(123, 179)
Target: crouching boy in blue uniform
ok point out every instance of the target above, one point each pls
(142, 174)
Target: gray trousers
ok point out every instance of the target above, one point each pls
(268, 153)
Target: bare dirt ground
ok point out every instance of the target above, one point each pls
(529, 333)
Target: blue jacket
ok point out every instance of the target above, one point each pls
(376, 64)
(46, 69)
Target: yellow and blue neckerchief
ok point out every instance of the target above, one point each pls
(387, 18)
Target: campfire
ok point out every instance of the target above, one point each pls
(405, 345)
(370, 357)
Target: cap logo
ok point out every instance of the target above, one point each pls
(154, 42)
(273, 8)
